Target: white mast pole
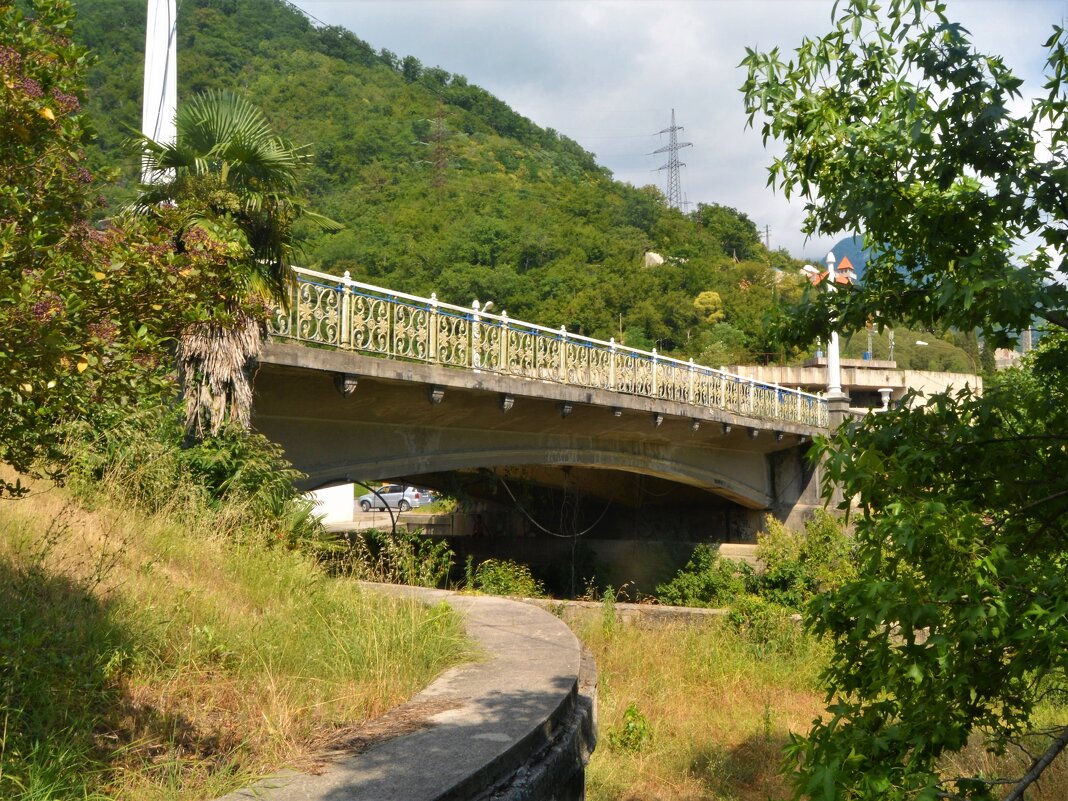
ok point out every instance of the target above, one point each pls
(161, 76)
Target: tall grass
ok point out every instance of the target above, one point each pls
(144, 658)
(703, 711)
(711, 704)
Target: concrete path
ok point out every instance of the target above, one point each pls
(518, 723)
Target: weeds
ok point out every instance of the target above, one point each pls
(634, 733)
(399, 557)
(139, 461)
(609, 619)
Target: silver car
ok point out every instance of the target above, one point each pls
(395, 496)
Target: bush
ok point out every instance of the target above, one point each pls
(707, 580)
(136, 456)
(505, 577)
(800, 565)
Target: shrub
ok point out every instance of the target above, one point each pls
(707, 580)
(505, 577)
(799, 565)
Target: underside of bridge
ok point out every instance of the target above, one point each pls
(519, 443)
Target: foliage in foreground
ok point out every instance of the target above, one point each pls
(145, 658)
(956, 628)
(718, 705)
(86, 312)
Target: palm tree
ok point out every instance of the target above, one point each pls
(231, 177)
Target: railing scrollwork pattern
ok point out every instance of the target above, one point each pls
(348, 315)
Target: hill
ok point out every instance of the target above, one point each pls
(442, 187)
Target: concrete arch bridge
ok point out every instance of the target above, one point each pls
(362, 382)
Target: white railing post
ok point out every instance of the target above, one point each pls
(612, 363)
(432, 321)
(294, 311)
(563, 355)
(503, 368)
(654, 381)
(475, 360)
(344, 334)
(752, 396)
(689, 395)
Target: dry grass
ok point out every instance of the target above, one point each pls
(210, 662)
(718, 712)
(720, 709)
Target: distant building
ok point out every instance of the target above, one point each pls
(844, 274)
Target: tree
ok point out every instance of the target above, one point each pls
(738, 236)
(957, 627)
(86, 311)
(709, 306)
(411, 68)
(233, 180)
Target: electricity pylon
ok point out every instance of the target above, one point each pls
(674, 187)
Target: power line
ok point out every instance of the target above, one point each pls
(674, 185)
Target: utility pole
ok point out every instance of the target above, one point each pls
(674, 187)
(160, 101)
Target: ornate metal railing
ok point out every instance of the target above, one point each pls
(349, 315)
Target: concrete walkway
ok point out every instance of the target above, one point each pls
(518, 723)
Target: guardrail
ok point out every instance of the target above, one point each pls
(350, 315)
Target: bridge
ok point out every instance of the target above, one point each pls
(364, 382)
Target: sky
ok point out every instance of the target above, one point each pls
(608, 74)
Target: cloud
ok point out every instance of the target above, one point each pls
(607, 73)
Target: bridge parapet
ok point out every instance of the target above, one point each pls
(344, 314)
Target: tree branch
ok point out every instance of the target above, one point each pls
(1056, 317)
(1038, 766)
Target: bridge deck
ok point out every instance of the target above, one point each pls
(340, 314)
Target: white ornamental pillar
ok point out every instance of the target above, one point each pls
(834, 365)
(161, 76)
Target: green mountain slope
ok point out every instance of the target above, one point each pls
(442, 187)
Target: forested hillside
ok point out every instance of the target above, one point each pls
(442, 187)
